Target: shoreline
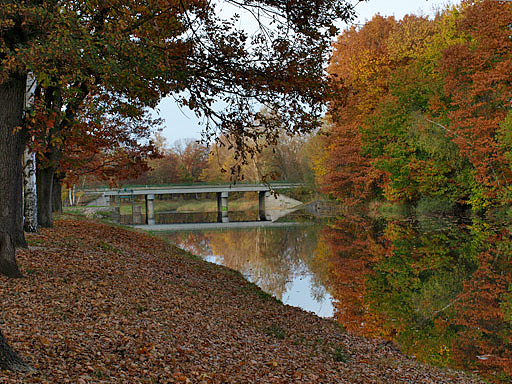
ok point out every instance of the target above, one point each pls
(103, 304)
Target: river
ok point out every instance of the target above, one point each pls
(439, 287)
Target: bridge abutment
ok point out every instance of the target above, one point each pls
(263, 196)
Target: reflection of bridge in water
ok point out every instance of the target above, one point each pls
(222, 192)
(220, 226)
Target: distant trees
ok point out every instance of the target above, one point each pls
(183, 162)
(286, 158)
(187, 161)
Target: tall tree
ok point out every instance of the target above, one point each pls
(477, 75)
(29, 169)
(119, 57)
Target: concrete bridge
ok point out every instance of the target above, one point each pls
(222, 192)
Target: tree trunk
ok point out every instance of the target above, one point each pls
(29, 167)
(12, 143)
(57, 194)
(44, 196)
(12, 95)
(30, 192)
(10, 359)
(19, 234)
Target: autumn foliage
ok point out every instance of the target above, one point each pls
(420, 109)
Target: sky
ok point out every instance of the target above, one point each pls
(182, 124)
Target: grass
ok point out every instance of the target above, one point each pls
(340, 355)
(276, 331)
(252, 288)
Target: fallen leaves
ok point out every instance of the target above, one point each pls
(142, 311)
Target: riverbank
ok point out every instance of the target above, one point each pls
(101, 304)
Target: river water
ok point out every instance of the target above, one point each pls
(439, 287)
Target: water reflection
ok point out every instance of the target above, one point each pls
(438, 287)
(441, 288)
(279, 260)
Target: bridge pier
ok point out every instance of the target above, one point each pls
(222, 207)
(150, 209)
(262, 197)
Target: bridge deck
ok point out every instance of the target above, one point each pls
(197, 189)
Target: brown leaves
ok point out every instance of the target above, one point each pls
(142, 312)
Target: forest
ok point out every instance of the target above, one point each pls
(420, 110)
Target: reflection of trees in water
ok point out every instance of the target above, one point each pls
(194, 242)
(484, 306)
(439, 288)
(271, 257)
(344, 252)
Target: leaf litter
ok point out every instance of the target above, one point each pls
(103, 304)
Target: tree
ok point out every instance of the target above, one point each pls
(118, 57)
(193, 157)
(477, 76)
(360, 69)
(398, 100)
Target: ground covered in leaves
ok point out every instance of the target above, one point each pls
(102, 304)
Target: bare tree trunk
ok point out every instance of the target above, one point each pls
(12, 144)
(12, 95)
(30, 192)
(71, 195)
(19, 234)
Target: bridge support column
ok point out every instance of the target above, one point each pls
(262, 197)
(150, 209)
(107, 199)
(222, 207)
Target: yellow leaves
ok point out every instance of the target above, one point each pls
(44, 341)
(145, 350)
(272, 363)
(410, 37)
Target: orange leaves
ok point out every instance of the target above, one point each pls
(477, 77)
(77, 322)
(394, 76)
(45, 341)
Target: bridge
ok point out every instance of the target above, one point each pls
(221, 190)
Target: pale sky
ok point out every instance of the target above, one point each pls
(181, 124)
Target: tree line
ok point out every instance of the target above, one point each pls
(190, 161)
(420, 110)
